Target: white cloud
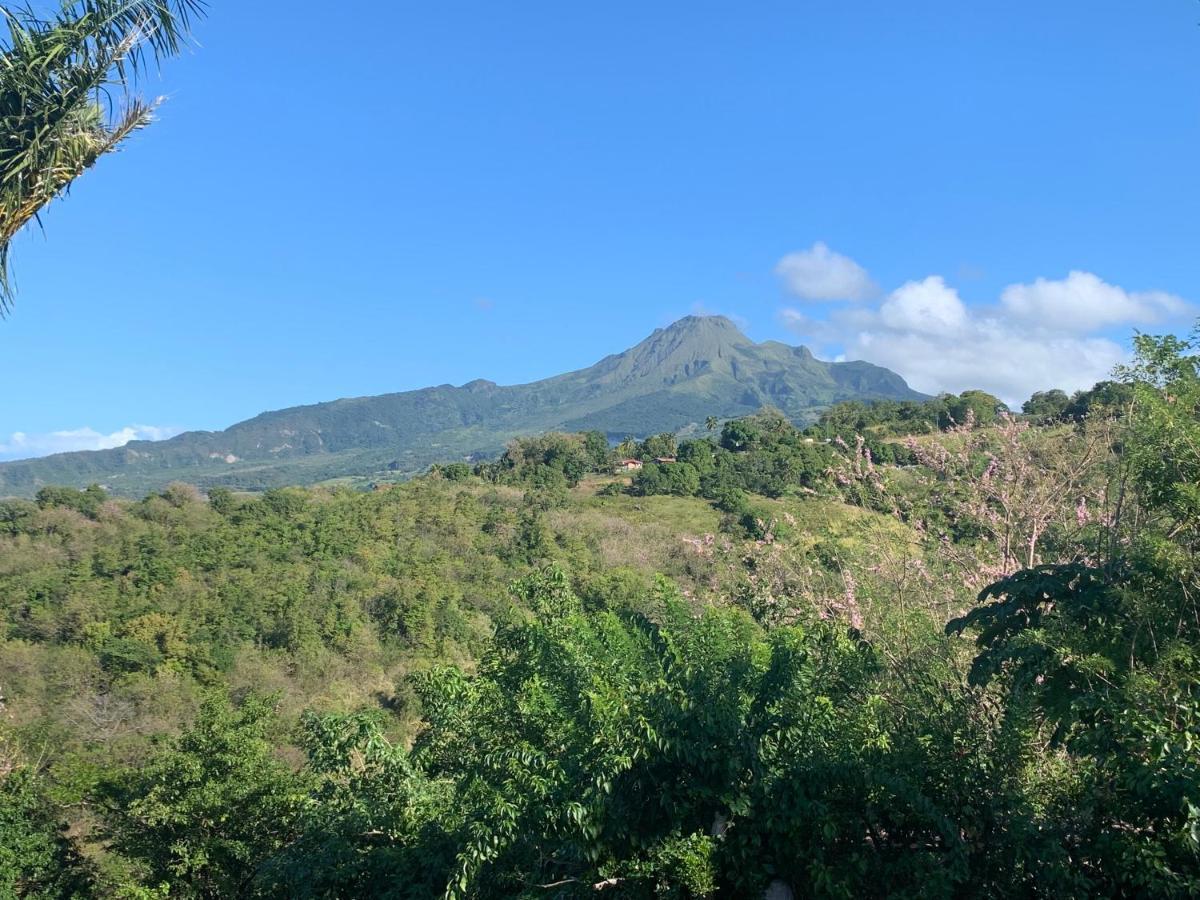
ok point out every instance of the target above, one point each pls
(1082, 302)
(796, 320)
(1040, 335)
(927, 306)
(991, 355)
(21, 445)
(822, 274)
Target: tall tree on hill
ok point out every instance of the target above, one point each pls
(67, 95)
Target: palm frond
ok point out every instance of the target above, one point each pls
(162, 24)
(67, 96)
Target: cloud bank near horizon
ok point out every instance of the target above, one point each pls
(1049, 333)
(24, 445)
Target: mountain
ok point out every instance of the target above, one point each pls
(698, 367)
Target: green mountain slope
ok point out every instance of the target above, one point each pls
(697, 367)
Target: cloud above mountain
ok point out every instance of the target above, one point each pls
(24, 445)
(820, 274)
(1047, 333)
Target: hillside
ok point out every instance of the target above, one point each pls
(676, 377)
(711, 678)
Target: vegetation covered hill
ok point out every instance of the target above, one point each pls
(698, 367)
(760, 661)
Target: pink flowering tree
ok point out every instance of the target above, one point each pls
(1004, 490)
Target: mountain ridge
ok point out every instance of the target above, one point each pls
(674, 378)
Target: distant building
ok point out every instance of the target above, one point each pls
(664, 459)
(629, 465)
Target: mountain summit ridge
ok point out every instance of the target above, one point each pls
(676, 377)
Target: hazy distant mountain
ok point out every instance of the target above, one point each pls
(699, 366)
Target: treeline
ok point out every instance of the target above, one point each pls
(764, 455)
(1106, 398)
(905, 417)
(895, 418)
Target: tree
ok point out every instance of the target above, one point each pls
(455, 471)
(1107, 399)
(978, 407)
(67, 96)
(550, 458)
(658, 446)
(598, 451)
(698, 454)
(37, 860)
(1046, 405)
(375, 826)
(678, 478)
(739, 434)
(205, 812)
(87, 502)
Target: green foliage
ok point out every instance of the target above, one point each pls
(456, 471)
(86, 502)
(763, 454)
(976, 407)
(1046, 405)
(1108, 650)
(681, 756)
(658, 446)
(548, 460)
(37, 860)
(1109, 399)
(678, 478)
(1106, 399)
(375, 825)
(202, 814)
(595, 444)
(876, 419)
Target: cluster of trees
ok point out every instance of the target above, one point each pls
(761, 455)
(946, 412)
(764, 454)
(904, 417)
(653, 754)
(549, 460)
(118, 619)
(1105, 398)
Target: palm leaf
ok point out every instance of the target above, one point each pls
(67, 96)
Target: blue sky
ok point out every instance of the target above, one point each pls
(380, 197)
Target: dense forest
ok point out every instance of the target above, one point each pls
(912, 650)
